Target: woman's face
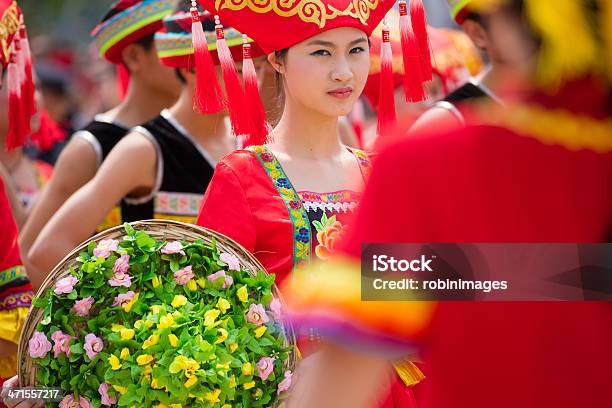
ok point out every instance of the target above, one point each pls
(327, 72)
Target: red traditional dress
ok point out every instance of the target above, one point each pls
(536, 175)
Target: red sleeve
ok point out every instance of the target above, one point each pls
(225, 208)
(9, 250)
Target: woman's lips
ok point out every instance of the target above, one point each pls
(341, 93)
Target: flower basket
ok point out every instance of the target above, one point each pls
(157, 313)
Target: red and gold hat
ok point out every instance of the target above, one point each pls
(276, 26)
(127, 22)
(16, 58)
(459, 9)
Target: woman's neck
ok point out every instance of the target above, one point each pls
(304, 133)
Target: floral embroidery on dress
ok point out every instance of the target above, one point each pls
(329, 233)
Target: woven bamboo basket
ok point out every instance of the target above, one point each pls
(159, 230)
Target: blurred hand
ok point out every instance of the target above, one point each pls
(13, 383)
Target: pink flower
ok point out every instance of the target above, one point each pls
(106, 399)
(182, 276)
(93, 345)
(123, 298)
(275, 307)
(122, 265)
(39, 345)
(81, 308)
(257, 314)
(265, 366)
(227, 280)
(61, 345)
(65, 285)
(105, 247)
(70, 402)
(285, 384)
(231, 261)
(174, 247)
(120, 279)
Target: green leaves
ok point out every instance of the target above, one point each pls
(142, 343)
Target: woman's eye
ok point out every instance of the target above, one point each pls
(321, 53)
(357, 50)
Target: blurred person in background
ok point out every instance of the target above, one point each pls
(163, 168)
(536, 170)
(455, 61)
(484, 87)
(124, 37)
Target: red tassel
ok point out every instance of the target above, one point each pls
(16, 136)
(413, 77)
(123, 80)
(357, 119)
(386, 103)
(259, 126)
(48, 134)
(419, 26)
(25, 106)
(233, 88)
(30, 90)
(208, 96)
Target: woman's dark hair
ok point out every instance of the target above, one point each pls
(146, 42)
(180, 76)
(281, 55)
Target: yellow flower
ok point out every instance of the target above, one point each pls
(127, 334)
(258, 393)
(117, 327)
(210, 317)
(242, 294)
(201, 282)
(149, 324)
(213, 396)
(121, 390)
(182, 363)
(178, 301)
(221, 336)
(165, 322)
(151, 341)
(128, 306)
(156, 308)
(233, 347)
(192, 285)
(156, 282)
(176, 314)
(225, 366)
(176, 406)
(232, 381)
(125, 353)
(160, 405)
(249, 385)
(191, 382)
(144, 359)
(260, 331)
(173, 340)
(147, 370)
(223, 304)
(247, 369)
(114, 362)
(154, 384)
(226, 406)
(138, 324)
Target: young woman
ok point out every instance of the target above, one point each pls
(159, 171)
(288, 201)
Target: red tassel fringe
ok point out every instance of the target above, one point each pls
(208, 96)
(419, 25)
(386, 105)
(16, 135)
(413, 76)
(233, 88)
(259, 126)
(29, 90)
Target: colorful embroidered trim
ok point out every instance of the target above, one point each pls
(365, 164)
(309, 11)
(179, 44)
(15, 300)
(12, 274)
(342, 196)
(180, 204)
(129, 21)
(297, 213)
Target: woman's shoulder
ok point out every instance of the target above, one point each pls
(244, 160)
